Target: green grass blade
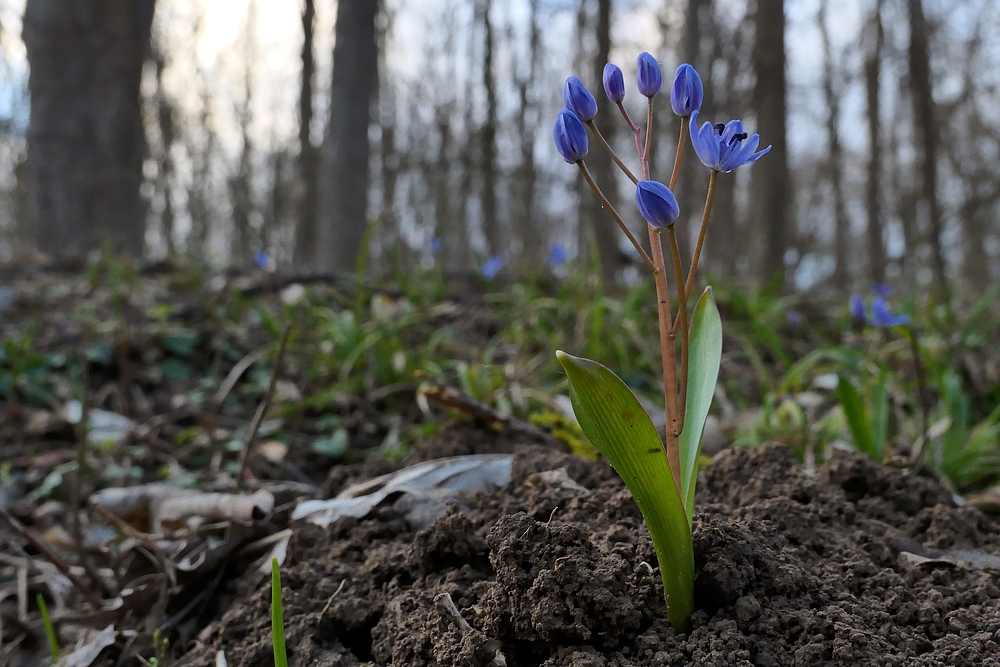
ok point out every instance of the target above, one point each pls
(857, 419)
(880, 415)
(277, 618)
(704, 358)
(618, 426)
(50, 630)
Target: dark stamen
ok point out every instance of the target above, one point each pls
(720, 128)
(738, 137)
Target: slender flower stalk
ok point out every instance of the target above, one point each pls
(681, 143)
(675, 256)
(614, 214)
(614, 156)
(649, 138)
(709, 200)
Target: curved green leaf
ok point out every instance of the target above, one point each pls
(618, 426)
(857, 418)
(704, 358)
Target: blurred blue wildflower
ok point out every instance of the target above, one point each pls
(794, 317)
(263, 261)
(614, 83)
(570, 136)
(435, 245)
(687, 93)
(657, 203)
(858, 308)
(492, 266)
(882, 315)
(724, 147)
(557, 254)
(881, 289)
(578, 99)
(648, 76)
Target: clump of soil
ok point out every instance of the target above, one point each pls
(854, 566)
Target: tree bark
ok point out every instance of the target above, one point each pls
(488, 138)
(85, 133)
(605, 231)
(923, 102)
(841, 271)
(306, 234)
(873, 71)
(346, 148)
(771, 190)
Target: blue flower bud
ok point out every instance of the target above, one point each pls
(657, 203)
(688, 91)
(578, 99)
(858, 309)
(614, 83)
(570, 136)
(648, 75)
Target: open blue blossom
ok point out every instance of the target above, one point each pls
(858, 308)
(578, 99)
(492, 266)
(614, 83)
(570, 136)
(724, 147)
(557, 254)
(657, 203)
(687, 93)
(882, 315)
(648, 75)
(435, 245)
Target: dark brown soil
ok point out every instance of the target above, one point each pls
(791, 570)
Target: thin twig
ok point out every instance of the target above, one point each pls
(263, 407)
(709, 200)
(50, 556)
(611, 151)
(675, 256)
(614, 214)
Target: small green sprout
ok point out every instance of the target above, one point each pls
(277, 618)
(50, 631)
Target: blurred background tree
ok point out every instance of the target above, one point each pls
(212, 130)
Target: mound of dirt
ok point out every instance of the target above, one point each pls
(859, 565)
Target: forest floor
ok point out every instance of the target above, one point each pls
(433, 421)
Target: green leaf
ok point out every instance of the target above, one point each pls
(857, 419)
(277, 618)
(704, 358)
(618, 426)
(880, 415)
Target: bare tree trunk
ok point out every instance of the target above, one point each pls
(85, 133)
(346, 149)
(488, 138)
(241, 183)
(691, 182)
(873, 70)
(923, 101)
(771, 191)
(831, 92)
(306, 233)
(530, 238)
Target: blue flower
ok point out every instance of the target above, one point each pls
(570, 136)
(578, 99)
(858, 308)
(882, 315)
(648, 75)
(688, 91)
(557, 254)
(881, 289)
(262, 261)
(794, 317)
(657, 203)
(492, 266)
(724, 147)
(435, 245)
(614, 83)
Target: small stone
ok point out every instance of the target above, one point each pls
(747, 610)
